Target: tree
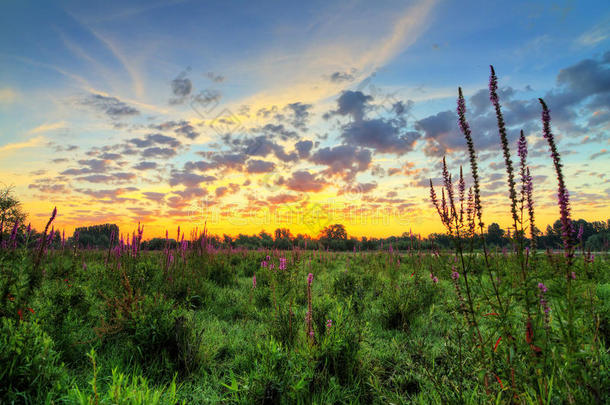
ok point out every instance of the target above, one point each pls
(10, 210)
(334, 232)
(495, 234)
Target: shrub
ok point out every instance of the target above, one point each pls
(29, 365)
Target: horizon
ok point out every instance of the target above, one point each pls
(255, 117)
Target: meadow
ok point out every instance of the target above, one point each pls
(201, 322)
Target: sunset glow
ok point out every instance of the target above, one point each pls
(252, 116)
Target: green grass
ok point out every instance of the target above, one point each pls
(199, 332)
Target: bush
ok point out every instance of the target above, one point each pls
(401, 303)
(29, 365)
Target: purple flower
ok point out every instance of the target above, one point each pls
(329, 323)
(254, 281)
(542, 287)
(455, 275)
(309, 278)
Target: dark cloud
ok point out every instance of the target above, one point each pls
(359, 188)
(154, 196)
(282, 199)
(298, 114)
(49, 185)
(259, 166)
(383, 135)
(341, 77)
(145, 166)
(156, 152)
(214, 77)
(153, 139)
(262, 146)
(181, 88)
(188, 179)
(200, 165)
(303, 148)
(305, 182)
(187, 130)
(111, 106)
(88, 166)
(353, 103)
(343, 160)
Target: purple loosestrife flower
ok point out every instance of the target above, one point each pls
(562, 192)
(465, 128)
(580, 232)
(282, 263)
(329, 323)
(493, 96)
(309, 278)
(254, 281)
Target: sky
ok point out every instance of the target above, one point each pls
(252, 116)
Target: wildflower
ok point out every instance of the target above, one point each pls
(465, 128)
(263, 264)
(493, 96)
(329, 323)
(455, 275)
(542, 287)
(254, 281)
(282, 263)
(562, 192)
(20, 314)
(309, 278)
(31, 310)
(435, 280)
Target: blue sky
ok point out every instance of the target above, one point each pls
(126, 111)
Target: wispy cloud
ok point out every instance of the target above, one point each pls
(8, 96)
(46, 127)
(595, 35)
(33, 142)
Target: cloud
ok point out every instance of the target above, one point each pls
(303, 148)
(341, 77)
(111, 106)
(298, 114)
(382, 135)
(595, 35)
(188, 179)
(89, 166)
(214, 77)
(306, 182)
(282, 199)
(47, 127)
(8, 96)
(152, 139)
(352, 103)
(602, 152)
(30, 143)
(145, 166)
(181, 88)
(259, 166)
(343, 160)
(154, 196)
(156, 152)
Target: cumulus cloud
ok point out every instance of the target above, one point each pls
(306, 182)
(259, 166)
(145, 165)
(111, 106)
(303, 148)
(343, 160)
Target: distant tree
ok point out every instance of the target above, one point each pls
(97, 236)
(336, 231)
(10, 211)
(495, 234)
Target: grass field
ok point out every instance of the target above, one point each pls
(208, 325)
